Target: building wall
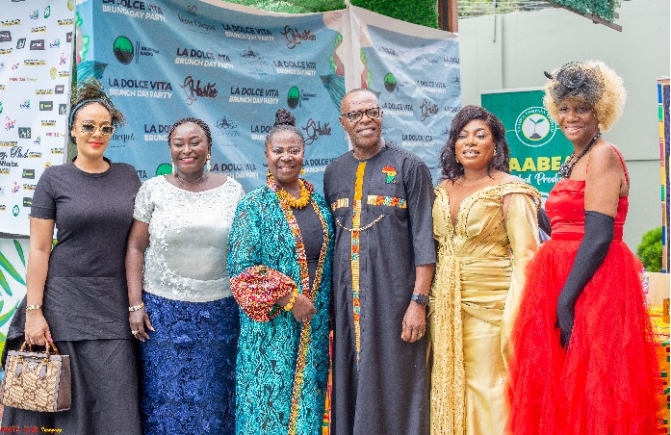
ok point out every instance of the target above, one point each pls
(513, 51)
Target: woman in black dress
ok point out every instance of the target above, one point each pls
(76, 293)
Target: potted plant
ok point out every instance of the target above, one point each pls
(649, 251)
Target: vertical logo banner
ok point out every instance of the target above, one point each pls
(35, 64)
(663, 99)
(415, 72)
(537, 145)
(231, 66)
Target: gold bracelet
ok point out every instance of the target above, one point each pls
(292, 300)
(136, 307)
(33, 307)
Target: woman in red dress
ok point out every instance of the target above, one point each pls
(584, 359)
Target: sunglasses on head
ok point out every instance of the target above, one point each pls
(372, 113)
(105, 130)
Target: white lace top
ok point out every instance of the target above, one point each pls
(188, 239)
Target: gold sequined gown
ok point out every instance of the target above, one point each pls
(474, 300)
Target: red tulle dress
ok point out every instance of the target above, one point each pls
(605, 383)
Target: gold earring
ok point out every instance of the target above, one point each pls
(495, 152)
(208, 165)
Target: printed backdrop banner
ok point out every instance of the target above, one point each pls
(537, 145)
(35, 65)
(415, 72)
(234, 67)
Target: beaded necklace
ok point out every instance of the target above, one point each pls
(292, 202)
(567, 167)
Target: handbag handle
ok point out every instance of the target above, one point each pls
(47, 345)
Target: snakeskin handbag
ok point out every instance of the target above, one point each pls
(36, 381)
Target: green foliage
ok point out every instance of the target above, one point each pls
(7, 269)
(3, 319)
(601, 8)
(5, 264)
(293, 6)
(8, 315)
(4, 284)
(19, 251)
(422, 12)
(650, 250)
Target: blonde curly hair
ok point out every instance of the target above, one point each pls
(590, 81)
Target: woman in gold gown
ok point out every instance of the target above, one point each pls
(485, 223)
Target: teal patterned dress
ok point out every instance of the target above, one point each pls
(282, 365)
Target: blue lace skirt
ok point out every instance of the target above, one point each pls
(187, 367)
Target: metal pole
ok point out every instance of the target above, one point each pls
(494, 7)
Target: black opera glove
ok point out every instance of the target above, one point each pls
(599, 231)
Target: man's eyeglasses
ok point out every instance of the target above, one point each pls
(372, 113)
(105, 130)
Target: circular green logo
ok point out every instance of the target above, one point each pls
(15, 211)
(0, 107)
(123, 50)
(293, 97)
(47, 12)
(164, 169)
(390, 82)
(534, 128)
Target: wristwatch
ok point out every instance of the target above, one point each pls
(422, 300)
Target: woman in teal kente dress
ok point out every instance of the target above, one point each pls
(280, 251)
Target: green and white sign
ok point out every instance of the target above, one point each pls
(537, 146)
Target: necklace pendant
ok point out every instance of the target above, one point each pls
(184, 181)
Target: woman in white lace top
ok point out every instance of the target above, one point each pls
(179, 292)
